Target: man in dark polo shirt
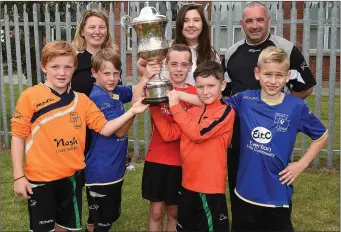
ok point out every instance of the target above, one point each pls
(239, 63)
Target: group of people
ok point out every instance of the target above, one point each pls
(75, 128)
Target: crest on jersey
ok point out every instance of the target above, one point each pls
(75, 120)
(282, 122)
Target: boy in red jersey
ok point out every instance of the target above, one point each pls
(205, 134)
(53, 118)
(162, 170)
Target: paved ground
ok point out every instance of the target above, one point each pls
(325, 85)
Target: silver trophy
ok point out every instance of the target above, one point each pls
(150, 31)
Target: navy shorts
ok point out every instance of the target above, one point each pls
(161, 182)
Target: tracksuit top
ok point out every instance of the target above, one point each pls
(268, 135)
(54, 125)
(105, 161)
(160, 151)
(205, 134)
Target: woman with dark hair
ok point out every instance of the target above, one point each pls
(192, 29)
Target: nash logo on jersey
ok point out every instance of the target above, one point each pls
(261, 135)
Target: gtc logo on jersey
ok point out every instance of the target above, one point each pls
(282, 122)
(261, 135)
(76, 120)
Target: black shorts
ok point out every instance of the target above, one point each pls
(161, 182)
(202, 212)
(104, 203)
(249, 217)
(57, 202)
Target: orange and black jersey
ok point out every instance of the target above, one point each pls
(205, 134)
(54, 127)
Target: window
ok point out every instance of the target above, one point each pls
(326, 28)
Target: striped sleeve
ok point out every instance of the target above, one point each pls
(208, 127)
(95, 118)
(21, 120)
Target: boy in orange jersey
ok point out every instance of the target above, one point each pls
(205, 134)
(52, 118)
(161, 180)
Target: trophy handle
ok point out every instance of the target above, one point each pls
(126, 21)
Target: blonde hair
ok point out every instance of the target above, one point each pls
(273, 54)
(58, 48)
(79, 42)
(103, 55)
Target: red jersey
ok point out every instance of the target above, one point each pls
(160, 151)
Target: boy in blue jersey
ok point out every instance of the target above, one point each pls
(106, 159)
(270, 121)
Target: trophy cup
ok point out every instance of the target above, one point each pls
(150, 30)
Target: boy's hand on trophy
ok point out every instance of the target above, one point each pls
(138, 107)
(173, 98)
(152, 68)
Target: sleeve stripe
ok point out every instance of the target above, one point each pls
(314, 140)
(216, 122)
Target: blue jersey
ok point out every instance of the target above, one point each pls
(105, 161)
(268, 135)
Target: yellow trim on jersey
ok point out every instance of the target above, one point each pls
(259, 204)
(102, 184)
(45, 120)
(320, 137)
(271, 102)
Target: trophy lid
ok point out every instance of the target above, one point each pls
(149, 13)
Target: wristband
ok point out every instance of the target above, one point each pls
(18, 178)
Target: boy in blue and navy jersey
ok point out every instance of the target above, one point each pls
(270, 121)
(106, 159)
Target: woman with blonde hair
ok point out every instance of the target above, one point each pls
(92, 34)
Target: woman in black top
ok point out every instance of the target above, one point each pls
(92, 34)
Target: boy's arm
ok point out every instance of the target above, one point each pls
(122, 132)
(21, 128)
(152, 68)
(21, 185)
(169, 131)
(190, 98)
(141, 65)
(311, 126)
(207, 127)
(234, 101)
(96, 121)
(293, 170)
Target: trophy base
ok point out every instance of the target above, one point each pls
(155, 101)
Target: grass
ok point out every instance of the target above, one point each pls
(315, 203)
